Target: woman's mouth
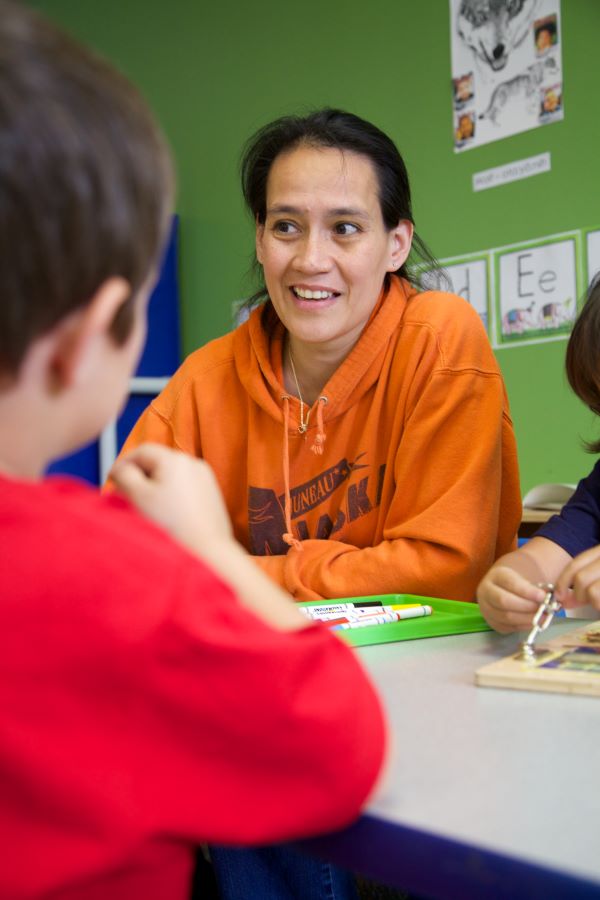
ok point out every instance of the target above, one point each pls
(314, 293)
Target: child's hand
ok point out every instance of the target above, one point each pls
(181, 494)
(579, 582)
(507, 600)
(175, 491)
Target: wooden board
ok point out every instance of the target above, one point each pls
(570, 664)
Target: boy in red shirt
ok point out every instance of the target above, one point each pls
(154, 693)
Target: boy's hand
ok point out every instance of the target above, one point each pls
(175, 491)
(181, 494)
(508, 601)
(579, 582)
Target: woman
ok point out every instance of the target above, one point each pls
(359, 429)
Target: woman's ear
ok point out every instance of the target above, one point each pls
(79, 336)
(400, 243)
(260, 234)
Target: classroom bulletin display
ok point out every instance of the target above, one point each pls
(506, 68)
(526, 293)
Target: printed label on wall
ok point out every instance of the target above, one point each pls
(506, 68)
(513, 171)
(536, 290)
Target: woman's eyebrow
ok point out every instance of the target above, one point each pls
(353, 212)
(284, 208)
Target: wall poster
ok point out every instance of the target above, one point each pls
(506, 68)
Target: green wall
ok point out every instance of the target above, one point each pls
(216, 71)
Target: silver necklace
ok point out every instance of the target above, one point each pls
(303, 426)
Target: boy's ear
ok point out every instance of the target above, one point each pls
(78, 336)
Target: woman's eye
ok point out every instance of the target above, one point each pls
(285, 228)
(345, 228)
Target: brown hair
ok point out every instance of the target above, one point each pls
(343, 131)
(583, 355)
(86, 181)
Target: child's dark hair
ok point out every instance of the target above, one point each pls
(583, 355)
(85, 182)
(342, 131)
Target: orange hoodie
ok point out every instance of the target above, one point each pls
(414, 487)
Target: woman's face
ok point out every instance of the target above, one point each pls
(544, 39)
(550, 101)
(324, 247)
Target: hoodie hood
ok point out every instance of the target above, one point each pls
(258, 346)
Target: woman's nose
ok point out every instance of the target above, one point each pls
(313, 254)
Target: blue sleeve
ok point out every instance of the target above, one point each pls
(577, 527)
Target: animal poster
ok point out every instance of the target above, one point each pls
(506, 68)
(467, 277)
(592, 247)
(536, 290)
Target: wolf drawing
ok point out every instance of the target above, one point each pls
(493, 28)
(521, 87)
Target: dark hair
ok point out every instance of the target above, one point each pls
(342, 131)
(582, 360)
(85, 181)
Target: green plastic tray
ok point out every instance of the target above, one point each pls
(447, 617)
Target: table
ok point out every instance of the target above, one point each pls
(490, 793)
(531, 519)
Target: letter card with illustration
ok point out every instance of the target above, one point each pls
(592, 253)
(467, 276)
(536, 290)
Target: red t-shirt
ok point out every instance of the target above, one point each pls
(143, 710)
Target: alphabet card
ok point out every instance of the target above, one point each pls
(536, 290)
(568, 664)
(592, 247)
(465, 276)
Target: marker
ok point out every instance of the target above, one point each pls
(356, 614)
(324, 612)
(414, 613)
(359, 604)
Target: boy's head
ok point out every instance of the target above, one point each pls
(86, 184)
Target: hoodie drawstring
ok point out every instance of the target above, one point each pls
(288, 537)
(317, 448)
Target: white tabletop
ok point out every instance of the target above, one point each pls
(502, 772)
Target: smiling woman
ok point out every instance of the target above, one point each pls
(358, 428)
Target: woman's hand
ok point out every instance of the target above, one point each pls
(507, 600)
(176, 491)
(579, 583)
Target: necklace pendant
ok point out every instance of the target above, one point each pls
(302, 428)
